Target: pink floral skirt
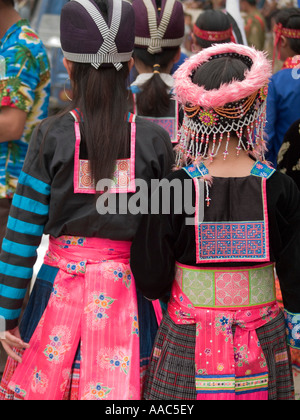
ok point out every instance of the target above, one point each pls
(86, 344)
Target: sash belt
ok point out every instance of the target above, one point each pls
(228, 365)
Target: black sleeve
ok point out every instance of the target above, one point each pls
(287, 265)
(28, 215)
(288, 262)
(152, 252)
(289, 154)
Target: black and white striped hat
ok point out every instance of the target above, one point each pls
(86, 37)
(158, 24)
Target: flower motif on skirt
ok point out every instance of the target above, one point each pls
(114, 359)
(96, 392)
(135, 324)
(223, 326)
(17, 390)
(59, 296)
(59, 344)
(97, 308)
(39, 382)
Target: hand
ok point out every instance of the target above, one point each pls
(13, 340)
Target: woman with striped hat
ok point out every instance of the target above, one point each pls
(159, 32)
(84, 328)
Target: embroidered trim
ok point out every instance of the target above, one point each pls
(293, 329)
(220, 288)
(214, 35)
(255, 383)
(196, 171)
(169, 124)
(262, 170)
(279, 30)
(210, 384)
(214, 384)
(259, 169)
(232, 241)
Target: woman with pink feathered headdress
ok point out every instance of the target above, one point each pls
(228, 221)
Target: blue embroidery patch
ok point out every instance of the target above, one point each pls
(231, 241)
(293, 329)
(196, 171)
(262, 170)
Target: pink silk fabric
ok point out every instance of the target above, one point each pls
(228, 367)
(93, 304)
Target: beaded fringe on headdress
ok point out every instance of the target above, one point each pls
(211, 117)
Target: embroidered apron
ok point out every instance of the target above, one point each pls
(93, 303)
(228, 366)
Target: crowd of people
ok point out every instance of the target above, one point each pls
(169, 189)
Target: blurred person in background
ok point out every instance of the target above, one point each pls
(232, 9)
(255, 25)
(24, 8)
(283, 103)
(159, 33)
(211, 27)
(289, 154)
(24, 100)
(84, 293)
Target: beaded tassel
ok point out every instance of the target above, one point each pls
(240, 143)
(208, 199)
(213, 147)
(206, 145)
(226, 147)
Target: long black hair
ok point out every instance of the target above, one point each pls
(154, 98)
(102, 98)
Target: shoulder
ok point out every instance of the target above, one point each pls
(57, 123)
(280, 179)
(28, 35)
(25, 50)
(180, 174)
(293, 132)
(52, 142)
(282, 185)
(57, 130)
(283, 74)
(29, 39)
(284, 197)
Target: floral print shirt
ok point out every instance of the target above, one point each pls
(25, 86)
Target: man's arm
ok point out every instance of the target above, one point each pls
(12, 123)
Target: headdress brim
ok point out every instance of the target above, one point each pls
(188, 93)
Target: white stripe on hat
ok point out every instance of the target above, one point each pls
(108, 52)
(156, 41)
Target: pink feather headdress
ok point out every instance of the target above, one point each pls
(238, 106)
